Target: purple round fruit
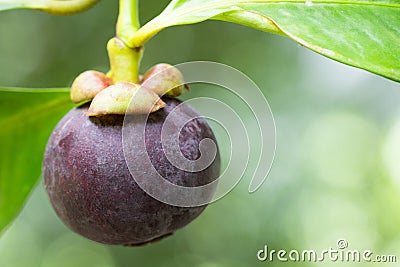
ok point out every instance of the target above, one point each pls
(90, 186)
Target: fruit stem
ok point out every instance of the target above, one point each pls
(128, 19)
(125, 61)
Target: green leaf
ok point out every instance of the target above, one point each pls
(12, 4)
(27, 117)
(360, 33)
(58, 7)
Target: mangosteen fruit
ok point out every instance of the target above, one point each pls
(92, 190)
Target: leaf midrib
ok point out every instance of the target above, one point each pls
(315, 2)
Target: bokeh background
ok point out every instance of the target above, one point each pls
(336, 173)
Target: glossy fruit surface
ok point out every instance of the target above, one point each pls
(92, 190)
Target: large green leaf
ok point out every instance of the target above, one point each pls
(360, 33)
(27, 118)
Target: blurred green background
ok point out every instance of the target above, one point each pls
(336, 173)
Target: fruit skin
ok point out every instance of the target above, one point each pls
(91, 188)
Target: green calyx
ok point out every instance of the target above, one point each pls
(111, 96)
(88, 84)
(125, 98)
(164, 79)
